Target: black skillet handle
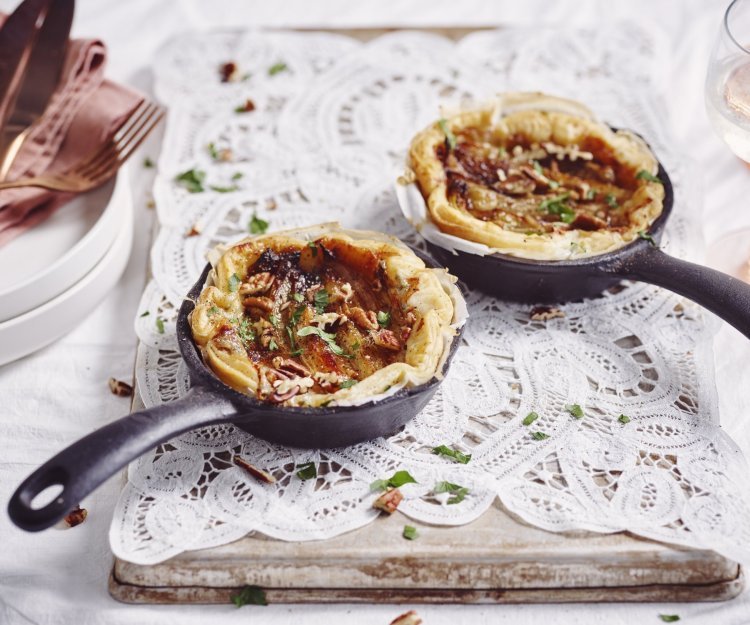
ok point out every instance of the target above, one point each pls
(83, 466)
(723, 295)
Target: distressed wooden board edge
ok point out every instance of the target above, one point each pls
(167, 595)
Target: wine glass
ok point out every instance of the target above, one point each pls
(727, 95)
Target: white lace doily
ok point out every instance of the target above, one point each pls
(325, 141)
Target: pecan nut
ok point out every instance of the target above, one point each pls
(367, 320)
(260, 474)
(228, 71)
(290, 366)
(76, 516)
(260, 303)
(389, 500)
(386, 339)
(543, 313)
(407, 618)
(281, 397)
(257, 284)
(120, 388)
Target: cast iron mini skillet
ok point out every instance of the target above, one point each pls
(537, 281)
(83, 466)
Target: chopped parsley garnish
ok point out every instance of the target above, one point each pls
(611, 200)
(160, 325)
(458, 493)
(145, 314)
(647, 237)
(553, 184)
(307, 471)
(212, 151)
(537, 167)
(530, 418)
(272, 345)
(294, 317)
(250, 595)
(237, 175)
(574, 410)
(295, 351)
(645, 175)
(590, 194)
(220, 189)
(356, 346)
(327, 337)
(297, 297)
(557, 206)
(313, 247)
(384, 319)
(244, 330)
(623, 418)
(277, 68)
(148, 163)
(213, 310)
(347, 383)
(191, 180)
(320, 301)
(539, 436)
(234, 283)
(455, 454)
(410, 532)
(449, 136)
(669, 618)
(274, 319)
(398, 479)
(257, 225)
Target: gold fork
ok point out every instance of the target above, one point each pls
(101, 165)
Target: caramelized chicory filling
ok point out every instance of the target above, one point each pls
(534, 188)
(316, 320)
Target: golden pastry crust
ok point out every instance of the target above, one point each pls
(540, 184)
(323, 315)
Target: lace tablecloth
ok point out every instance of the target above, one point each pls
(325, 141)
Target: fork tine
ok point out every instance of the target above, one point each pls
(113, 157)
(103, 149)
(145, 132)
(124, 151)
(121, 137)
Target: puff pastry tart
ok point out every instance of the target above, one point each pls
(324, 315)
(536, 177)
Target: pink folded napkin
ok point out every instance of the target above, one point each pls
(82, 115)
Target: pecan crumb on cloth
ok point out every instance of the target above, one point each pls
(76, 516)
(120, 388)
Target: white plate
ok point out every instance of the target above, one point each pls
(50, 258)
(38, 328)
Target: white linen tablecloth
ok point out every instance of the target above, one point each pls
(56, 396)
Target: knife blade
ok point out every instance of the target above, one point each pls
(43, 73)
(17, 38)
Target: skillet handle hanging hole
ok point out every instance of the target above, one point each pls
(41, 498)
(87, 463)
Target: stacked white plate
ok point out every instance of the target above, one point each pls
(54, 274)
